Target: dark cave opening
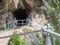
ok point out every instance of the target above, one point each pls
(20, 14)
(1, 0)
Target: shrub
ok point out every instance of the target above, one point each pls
(16, 40)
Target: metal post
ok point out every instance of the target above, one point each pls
(10, 25)
(22, 23)
(53, 40)
(13, 24)
(5, 26)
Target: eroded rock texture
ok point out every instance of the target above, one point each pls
(32, 7)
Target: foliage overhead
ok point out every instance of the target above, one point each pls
(54, 13)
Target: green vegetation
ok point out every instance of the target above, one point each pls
(57, 41)
(16, 40)
(54, 13)
(40, 39)
(55, 17)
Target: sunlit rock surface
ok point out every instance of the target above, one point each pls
(11, 5)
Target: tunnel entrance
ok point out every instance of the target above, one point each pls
(20, 14)
(1, 0)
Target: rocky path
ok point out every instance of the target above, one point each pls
(4, 41)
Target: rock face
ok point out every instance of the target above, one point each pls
(30, 5)
(37, 20)
(5, 18)
(35, 13)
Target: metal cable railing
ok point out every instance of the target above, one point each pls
(51, 34)
(47, 31)
(14, 24)
(54, 34)
(21, 34)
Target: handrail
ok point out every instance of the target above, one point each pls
(49, 32)
(12, 23)
(52, 33)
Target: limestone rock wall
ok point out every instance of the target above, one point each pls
(11, 5)
(5, 18)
